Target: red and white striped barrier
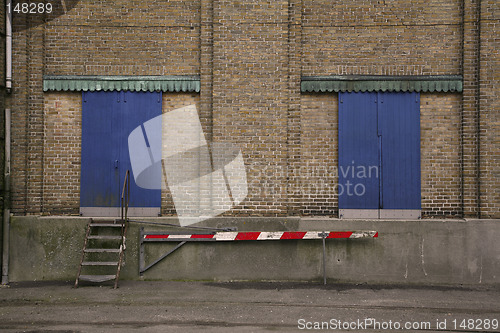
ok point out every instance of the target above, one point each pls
(225, 236)
(258, 235)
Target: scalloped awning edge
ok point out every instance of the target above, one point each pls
(359, 83)
(177, 83)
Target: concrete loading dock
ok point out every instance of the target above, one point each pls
(431, 252)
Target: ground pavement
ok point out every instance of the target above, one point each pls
(158, 306)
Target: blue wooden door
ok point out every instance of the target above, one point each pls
(139, 107)
(100, 174)
(358, 152)
(107, 120)
(379, 154)
(399, 131)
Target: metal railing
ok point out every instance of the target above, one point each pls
(125, 199)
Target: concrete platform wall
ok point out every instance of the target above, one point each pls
(437, 252)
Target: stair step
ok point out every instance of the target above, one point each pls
(118, 249)
(97, 278)
(100, 263)
(104, 237)
(102, 250)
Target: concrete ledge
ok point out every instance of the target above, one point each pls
(432, 252)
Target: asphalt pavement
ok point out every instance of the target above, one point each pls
(159, 306)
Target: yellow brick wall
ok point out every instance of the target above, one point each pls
(172, 101)
(439, 151)
(62, 153)
(319, 154)
(62, 150)
(124, 37)
(489, 99)
(250, 57)
(381, 37)
(440, 154)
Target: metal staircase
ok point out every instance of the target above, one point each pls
(104, 246)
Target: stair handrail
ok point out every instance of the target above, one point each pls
(125, 198)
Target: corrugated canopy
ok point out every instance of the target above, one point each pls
(177, 83)
(356, 83)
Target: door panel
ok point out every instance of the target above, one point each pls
(139, 107)
(99, 172)
(358, 151)
(107, 120)
(399, 124)
(379, 135)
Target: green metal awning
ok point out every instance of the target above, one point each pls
(177, 83)
(357, 83)
(191, 83)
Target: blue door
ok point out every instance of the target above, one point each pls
(100, 176)
(399, 132)
(358, 152)
(107, 120)
(379, 155)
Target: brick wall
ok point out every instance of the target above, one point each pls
(384, 38)
(94, 38)
(35, 116)
(62, 150)
(19, 103)
(440, 154)
(172, 101)
(62, 153)
(381, 37)
(250, 57)
(319, 154)
(125, 38)
(470, 108)
(489, 103)
(250, 96)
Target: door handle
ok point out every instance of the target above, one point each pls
(116, 164)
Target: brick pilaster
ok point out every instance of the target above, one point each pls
(250, 95)
(206, 66)
(35, 129)
(294, 128)
(19, 101)
(489, 108)
(470, 108)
